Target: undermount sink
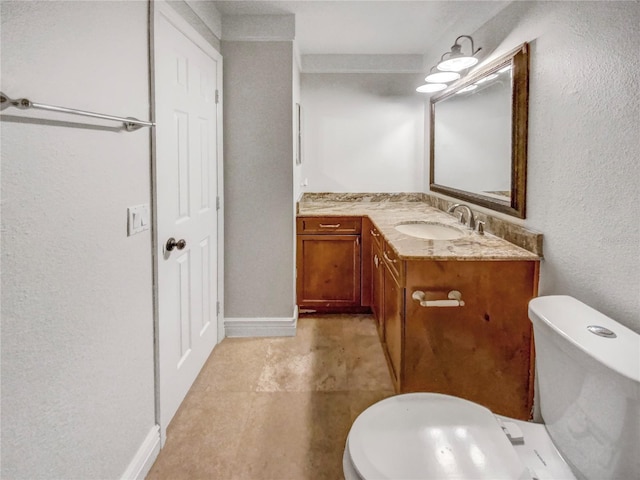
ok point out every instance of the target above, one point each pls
(430, 230)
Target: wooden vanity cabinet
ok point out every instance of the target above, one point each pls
(481, 351)
(328, 262)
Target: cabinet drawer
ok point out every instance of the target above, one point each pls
(394, 263)
(329, 225)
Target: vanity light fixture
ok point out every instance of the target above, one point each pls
(436, 81)
(431, 87)
(455, 60)
(441, 77)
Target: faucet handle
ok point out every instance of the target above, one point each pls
(480, 227)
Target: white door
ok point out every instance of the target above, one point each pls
(188, 75)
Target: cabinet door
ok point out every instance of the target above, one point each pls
(328, 270)
(367, 264)
(393, 325)
(377, 287)
(480, 351)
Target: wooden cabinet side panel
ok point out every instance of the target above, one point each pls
(393, 324)
(377, 287)
(480, 351)
(328, 270)
(367, 272)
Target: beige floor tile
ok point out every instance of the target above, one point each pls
(203, 438)
(359, 401)
(304, 367)
(321, 326)
(234, 366)
(366, 365)
(296, 436)
(357, 325)
(277, 408)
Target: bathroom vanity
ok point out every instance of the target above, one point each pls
(451, 314)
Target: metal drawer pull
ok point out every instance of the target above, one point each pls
(455, 300)
(323, 225)
(374, 233)
(387, 258)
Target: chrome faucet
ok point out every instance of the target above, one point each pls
(472, 220)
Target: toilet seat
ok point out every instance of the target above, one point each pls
(431, 436)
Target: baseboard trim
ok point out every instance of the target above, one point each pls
(261, 326)
(144, 457)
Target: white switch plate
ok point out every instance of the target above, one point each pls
(138, 219)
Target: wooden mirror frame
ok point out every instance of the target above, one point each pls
(519, 59)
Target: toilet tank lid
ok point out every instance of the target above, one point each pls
(570, 318)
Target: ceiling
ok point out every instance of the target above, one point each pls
(373, 27)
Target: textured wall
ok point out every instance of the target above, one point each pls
(583, 189)
(363, 132)
(258, 179)
(203, 17)
(77, 320)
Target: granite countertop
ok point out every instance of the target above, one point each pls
(386, 215)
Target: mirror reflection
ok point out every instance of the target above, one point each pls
(473, 137)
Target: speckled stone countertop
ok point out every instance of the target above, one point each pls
(386, 214)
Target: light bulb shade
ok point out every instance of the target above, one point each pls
(456, 60)
(456, 64)
(442, 77)
(431, 87)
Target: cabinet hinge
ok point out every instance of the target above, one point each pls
(217, 96)
(217, 203)
(217, 308)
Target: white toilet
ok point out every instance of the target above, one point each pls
(588, 369)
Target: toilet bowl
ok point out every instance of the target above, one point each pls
(589, 388)
(435, 436)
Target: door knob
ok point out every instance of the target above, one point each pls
(173, 243)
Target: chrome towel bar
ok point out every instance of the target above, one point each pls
(130, 123)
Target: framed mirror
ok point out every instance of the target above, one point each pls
(479, 135)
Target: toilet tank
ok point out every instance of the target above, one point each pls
(589, 387)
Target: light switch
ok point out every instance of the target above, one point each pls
(138, 219)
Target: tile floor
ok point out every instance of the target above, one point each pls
(277, 408)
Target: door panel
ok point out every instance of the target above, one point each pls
(187, 75)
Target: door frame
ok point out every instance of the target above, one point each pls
(161, 7)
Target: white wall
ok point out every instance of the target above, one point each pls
(583, 171)
(77, 319)
(258, 179)
(298, 186)
(363, 132)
